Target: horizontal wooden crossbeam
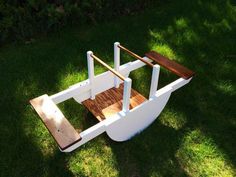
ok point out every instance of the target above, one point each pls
(108, 67)
(135, 55)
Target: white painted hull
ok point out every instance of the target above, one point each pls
(126, 125)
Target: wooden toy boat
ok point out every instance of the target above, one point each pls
(122, 111)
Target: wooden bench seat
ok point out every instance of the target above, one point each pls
(170, 65)
(109, 102)
(62, 131)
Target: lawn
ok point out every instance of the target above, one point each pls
(194, 135)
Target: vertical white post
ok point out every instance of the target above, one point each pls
(117, 62)
(91, 73)
(154, 82)
(126, 94)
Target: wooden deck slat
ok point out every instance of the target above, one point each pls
(170, 65)
(109, 102)
(62, 131)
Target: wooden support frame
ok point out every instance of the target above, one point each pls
(155, 71)
(91, 73)
(116, 62)
(127, 83)
(126, 94)
(154, 81)
(108, 67)
(126, 122)
(82, 91)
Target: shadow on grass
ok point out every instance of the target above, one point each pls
(201, 36)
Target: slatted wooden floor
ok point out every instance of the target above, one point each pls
(109, 102)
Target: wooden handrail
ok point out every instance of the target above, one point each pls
(135, 55)
(108, 67)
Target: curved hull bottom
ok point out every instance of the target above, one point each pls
(125, 125)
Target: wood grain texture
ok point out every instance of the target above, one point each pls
(62, 131)
(108, 67)
(135, 55)
(170, 65)
(109, 102)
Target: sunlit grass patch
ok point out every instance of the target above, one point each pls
(226, 87)
(157, 36)
(31, 124)
(181, 23)
(95, 159)
(70, 76)
(200, 156)
(35, 130)
(183, 32)
(75, 113)
(141, 79)
(164, 49)
(173, 119)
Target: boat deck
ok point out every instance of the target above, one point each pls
(109, 102)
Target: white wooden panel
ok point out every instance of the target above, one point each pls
(87, 135)
(90, 63)
(137, 119)
(178, 83)
(116, 62)
(154, 82)
(70, 92)
(126, 94)
(101, 83)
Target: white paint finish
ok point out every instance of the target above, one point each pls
(154, 81)
(126, 124)
(70, 92)
(87, 135)
(91, 73)
(137, 119)
(81, 91)
(101, 83)
(126, 94)
(116, 62)
(131, 66)
(179, 83)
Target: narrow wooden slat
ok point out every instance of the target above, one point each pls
(109, 102)
(170, 65)
(108, 67)
(135, 55)
(62, 131)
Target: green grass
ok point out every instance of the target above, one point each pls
(194, 135)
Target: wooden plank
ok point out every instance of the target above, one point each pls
(135, 55)
(108, 67)
(60, 128)
(170, 65)
(109, 102)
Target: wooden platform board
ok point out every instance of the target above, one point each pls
(170, 65)
(109, 102)
(60, 128)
